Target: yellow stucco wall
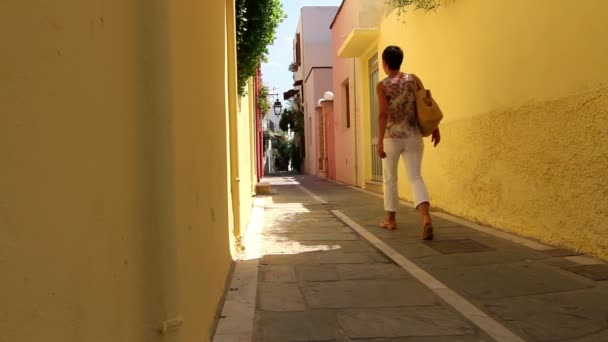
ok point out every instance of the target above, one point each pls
(524, 89)
(364, 102)
(71, 259)
(115, 208)
(245, 182)
(201, 177)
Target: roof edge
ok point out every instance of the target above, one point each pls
(336, 16)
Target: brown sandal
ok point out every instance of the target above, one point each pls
(387, 225)
(427, 232)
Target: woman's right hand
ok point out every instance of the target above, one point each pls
(380, 150)
(436, 137)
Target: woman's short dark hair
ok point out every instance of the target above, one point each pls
(393, 57)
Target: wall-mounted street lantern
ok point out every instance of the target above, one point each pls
(278, 107)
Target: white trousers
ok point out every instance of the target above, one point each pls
(410, 149)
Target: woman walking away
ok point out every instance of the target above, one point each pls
(399, 136)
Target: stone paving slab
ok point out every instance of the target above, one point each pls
(315, 325)
(305, 226)
(291, 259)
(593, 272)
(301, 215)
(368, 293)
(339, 257)
(373, 271)
(509, 280)
(457, 232)
(305, 230)
(558, 262)
(280, 297)
(318, 218)
(317, 273)
(380, 258)
(279, 245)
(403, 322)
(279, 274)
(301, 297)
(451, 261)
(559, 252)
(568, 315)
(322, 236)
(344, 246)
(403, 234)
(443, 223)
(490, 241)
(411, 249)
(476, 338)
(330, 224)
(458, 246)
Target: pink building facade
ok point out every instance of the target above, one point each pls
(348, 107)
(327, 109)
(318, 82)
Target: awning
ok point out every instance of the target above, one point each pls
(289, 94)
(359, 40)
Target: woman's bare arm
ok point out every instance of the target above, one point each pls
(382, 112)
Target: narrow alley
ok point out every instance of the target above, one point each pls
(195, 171)
(317, 268)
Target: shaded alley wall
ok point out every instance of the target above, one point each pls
(115, 208)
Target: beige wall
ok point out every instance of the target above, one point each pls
(115, 208)
(523, 88)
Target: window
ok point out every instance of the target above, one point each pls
(298, 51)
(346, 102)
(374, 77)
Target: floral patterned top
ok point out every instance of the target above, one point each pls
(400, 92)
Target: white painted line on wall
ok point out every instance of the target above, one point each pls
(312, 194)
(238, 311)
(470, 311)
(488, 230)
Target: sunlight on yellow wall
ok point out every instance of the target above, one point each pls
(201, 93)
(362, 78)
(523, 88)
(244, 119)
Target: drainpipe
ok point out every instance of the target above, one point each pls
(233, 108)
(355, 120)
(259, 137)
(234, 167)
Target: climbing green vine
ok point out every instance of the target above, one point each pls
(256, 25)
(292, 117)
(263, 102)
(403, 5)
